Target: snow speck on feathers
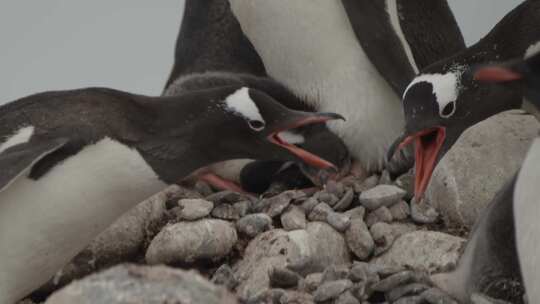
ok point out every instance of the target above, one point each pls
(241, 103)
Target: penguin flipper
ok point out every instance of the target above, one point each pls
(18, 160)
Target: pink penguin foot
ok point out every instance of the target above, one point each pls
(221, 183)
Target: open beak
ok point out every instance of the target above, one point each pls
(428, 144)
(496, 74)
(307, 157)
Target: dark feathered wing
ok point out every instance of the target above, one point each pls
(18, 160)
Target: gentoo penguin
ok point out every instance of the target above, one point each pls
(526, 204)
(489, 264)
(526, 194)
(211, 51)
(527, 70)
(72, 162)
(444, 99)
(337, 54)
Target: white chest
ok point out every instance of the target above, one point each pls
(310, 46)
(526, 212)
(46, 222)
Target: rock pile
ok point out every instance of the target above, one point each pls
(355, 241)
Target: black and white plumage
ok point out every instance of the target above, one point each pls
(342, 55)
(454, 94)
(73, 161)
(523, 245)
(212, 51)
(444, 99)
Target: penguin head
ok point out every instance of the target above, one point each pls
(525, 70)
(439, 105)
(240, 122)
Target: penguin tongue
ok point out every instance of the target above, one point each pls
(308, 157)
(428, 144)
(299, 121)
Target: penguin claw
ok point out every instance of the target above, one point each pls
(222, 184)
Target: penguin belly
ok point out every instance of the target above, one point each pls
(44, 223)
(526, 211)
(310, 46)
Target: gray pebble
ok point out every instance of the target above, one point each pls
(359, 239)
(345, 201)
(406, 182)
(437, 296)
(410, 300)
(406, 290)
(382, 195)
(347, 298)
(254, 224)
(129, 283)
(384, 214)
(226, 212)
(367, 184)
(335, 272)
(394, 281)
(194, 209)
(366, 277)
(359, 290)
(339, 221)
(385, 271)
(275, 205)
(325, 197)
(295, 297)
(293, 219)
(331, 290)
(335, 188)
(423, 213)
(400, 211)
(358, 273)
(266, 296)
(358, 212)
(379, 215)
(186, 242)
(283, 277)
(312, 281)
(243, 207)
(203, 188)
(309, 204)
(383, 236)
(225, 197)
(320, 212)
(224, 276)
(385, 178)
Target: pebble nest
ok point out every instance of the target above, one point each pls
(329, 245)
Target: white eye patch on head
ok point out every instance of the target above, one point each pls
(445, 87)
(532, 50)
(241, 104)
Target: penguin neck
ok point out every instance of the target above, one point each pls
(182, 135)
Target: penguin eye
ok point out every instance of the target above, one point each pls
(256, 125)
(448, 109)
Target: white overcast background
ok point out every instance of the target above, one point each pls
(66, 44)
